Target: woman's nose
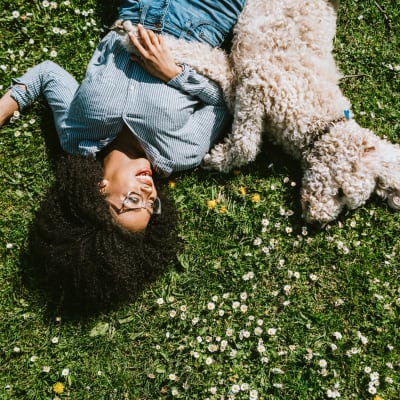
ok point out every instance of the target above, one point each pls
(146, 188)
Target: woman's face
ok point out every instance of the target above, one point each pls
(128, 182)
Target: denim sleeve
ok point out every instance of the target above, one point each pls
(199, 86)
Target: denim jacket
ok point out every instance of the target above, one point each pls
(206, 21)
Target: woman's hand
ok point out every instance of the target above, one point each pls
(154, 56)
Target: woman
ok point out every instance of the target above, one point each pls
(133, 120)
(133, 114)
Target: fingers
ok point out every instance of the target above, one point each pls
(148, 37)
(149, 43)
(136, 43)
(153, 38)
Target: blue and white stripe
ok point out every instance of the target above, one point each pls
(176, 122)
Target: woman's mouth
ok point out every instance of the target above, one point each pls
(145, 176)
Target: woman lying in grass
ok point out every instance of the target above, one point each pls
(105, 228)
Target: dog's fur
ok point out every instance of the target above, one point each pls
(286, 85)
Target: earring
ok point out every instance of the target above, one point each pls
(102, 186)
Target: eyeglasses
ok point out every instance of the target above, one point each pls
(134, 201)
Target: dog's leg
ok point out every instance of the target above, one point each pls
(243, 144)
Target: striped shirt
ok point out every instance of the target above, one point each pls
(176, 123)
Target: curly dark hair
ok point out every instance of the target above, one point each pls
(85, 259)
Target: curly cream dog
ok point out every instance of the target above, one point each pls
(286, 85)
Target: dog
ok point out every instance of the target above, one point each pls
(286, 86)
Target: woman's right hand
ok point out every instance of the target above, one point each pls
(154, 56)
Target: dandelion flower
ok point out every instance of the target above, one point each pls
(255, 198)
(211, 204)
(58, 388)
(242, 190)
(172, 184)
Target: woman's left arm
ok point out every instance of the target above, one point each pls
(154, 56)
(156, 59)
(197, 85)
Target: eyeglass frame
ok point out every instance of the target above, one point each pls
(142, 204)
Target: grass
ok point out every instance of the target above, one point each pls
(257, 306)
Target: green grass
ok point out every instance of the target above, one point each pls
(256, 299)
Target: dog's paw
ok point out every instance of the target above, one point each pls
(218, 159)
(123, 28)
